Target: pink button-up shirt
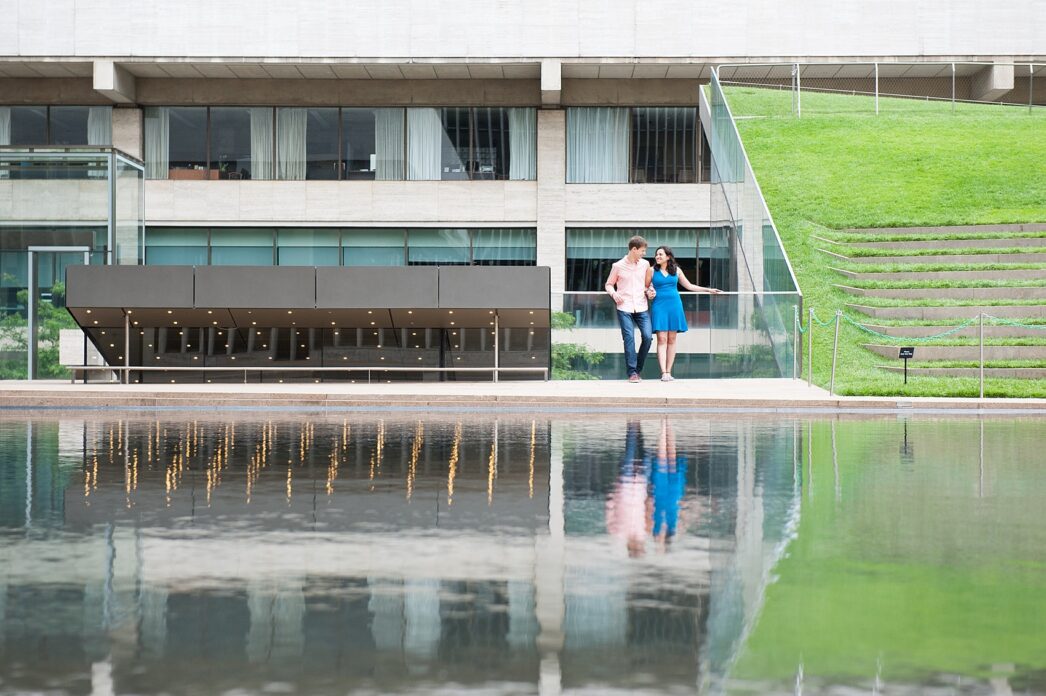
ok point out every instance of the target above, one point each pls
(627, 285)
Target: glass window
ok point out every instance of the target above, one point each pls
(438, 247)
(714, 254)
(378, 247)
(597, 145)
(181, 134)
(241, 246)
(591, 253)
(69, 125)
(176, 246)
(664, 145)
(511, 246)
(307, 247)
(683, 244)
(490, 145)
(373, 143)
(307, 144)
(241, 142)
(455, 159)
(28, 125)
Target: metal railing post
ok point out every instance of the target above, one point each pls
(810, 349)
(835, 351)
(795, 341)
(127, 348)
(981, 340)
(876, 89)
(496, 346)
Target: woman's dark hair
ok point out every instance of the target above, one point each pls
(671, 266)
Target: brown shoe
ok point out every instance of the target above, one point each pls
(634, 379)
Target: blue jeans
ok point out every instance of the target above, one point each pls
(629, 323)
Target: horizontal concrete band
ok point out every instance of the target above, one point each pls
(101, 294)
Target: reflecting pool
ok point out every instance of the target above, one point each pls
(332, 554)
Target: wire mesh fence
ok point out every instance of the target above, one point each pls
(796, 89)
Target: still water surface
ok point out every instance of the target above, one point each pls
(521, 554)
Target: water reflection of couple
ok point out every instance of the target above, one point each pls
(649, 491)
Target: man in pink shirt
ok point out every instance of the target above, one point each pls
(627, 286)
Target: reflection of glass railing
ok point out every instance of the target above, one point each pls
(731, 334)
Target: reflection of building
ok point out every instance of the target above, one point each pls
(374, 553)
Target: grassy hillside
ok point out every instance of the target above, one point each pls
(915, 164)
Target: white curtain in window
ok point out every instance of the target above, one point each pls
(388, 144)
(291, 128)
(522, 144)
(5, 125)
(100, 125)
(157, 142)
(597, 145)
(261, 143)
(424, 137)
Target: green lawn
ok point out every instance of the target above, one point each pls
(915, 164)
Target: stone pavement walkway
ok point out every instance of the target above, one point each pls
(771, 395)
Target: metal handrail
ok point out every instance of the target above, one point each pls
(267, 368)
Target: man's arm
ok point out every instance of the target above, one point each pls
(611, 282)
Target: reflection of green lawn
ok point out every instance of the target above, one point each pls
(924, 568)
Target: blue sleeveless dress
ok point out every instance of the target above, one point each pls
(666, 311)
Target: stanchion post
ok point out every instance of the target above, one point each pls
(126, 348)
(795, 341)
(810, 349)
(981, 341)
(835, 351)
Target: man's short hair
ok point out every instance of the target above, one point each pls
(637, 242)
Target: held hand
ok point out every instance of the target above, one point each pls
(651, 293)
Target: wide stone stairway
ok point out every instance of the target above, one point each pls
(920, 282)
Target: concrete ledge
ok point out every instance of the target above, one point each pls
(744, 395)
(955, 259)
(923, 353)
(915, 276)
(955, 229)
(994, 243)
(990, 331)
(992, 293)
(989, 372)
(958, 313)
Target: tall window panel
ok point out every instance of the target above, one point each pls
(592, 251)
(176, 246)
(374, 247)
(56, 125)
(307, 144)
(231, 246)
(26, 125)
(505, 246)
(373, 143)
(241, 142)
(664, 145)
(296, 246)
(176, 142)
(597, 145)
(438, 247)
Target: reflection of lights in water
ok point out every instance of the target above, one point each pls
(379, 451)
(453, 470)
(415, 452)
(492, 465)
(290, 471)
(533, 442)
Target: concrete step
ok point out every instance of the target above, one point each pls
(956, 259)
(972, 331)
(953, 229)
(959, 314)
(994, 243)
(913, 276)
(1001, 293)
(996, 372)
(924, 352)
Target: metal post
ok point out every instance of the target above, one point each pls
(876, 89)
(798, 92)
(810, 349)
(981, 333)
(30, 343)
(127, 347)
(795, 341)
(497, 345)
(953, 88)
(835, 351)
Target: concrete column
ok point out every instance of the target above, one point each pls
(992, 83)
(114, 82)
(127, 131)
(422, 627)
(549, 573)
(551, 204)
(522, 621)
(277, 618)
(386, 605)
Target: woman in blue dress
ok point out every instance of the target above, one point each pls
(666, 310)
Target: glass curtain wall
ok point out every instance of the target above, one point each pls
(352, 246)
(592, 251)
(640, 145)
(331, 143)
(56, 125)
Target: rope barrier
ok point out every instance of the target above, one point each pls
(911, 339)
(1010, 322)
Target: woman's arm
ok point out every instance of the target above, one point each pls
(694, 288)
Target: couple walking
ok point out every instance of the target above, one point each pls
(647, 298)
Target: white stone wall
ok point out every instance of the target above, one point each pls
(520, 29)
